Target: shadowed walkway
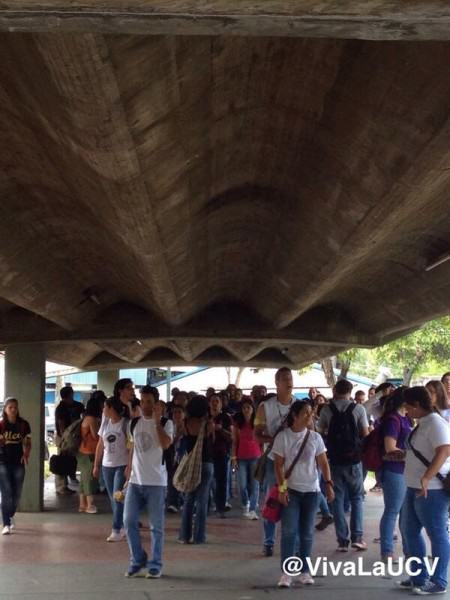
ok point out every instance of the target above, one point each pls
(64, 555)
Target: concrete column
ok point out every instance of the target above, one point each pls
(106, 380)
(168, 384)
(25, 380)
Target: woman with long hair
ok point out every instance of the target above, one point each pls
(439, 398)
(86, 453)
(395, 429)
(299, 494)
(445, 380)
(244, 456)
(124, 393)
(194, 529)
(426, 504)
(15, 448)
(174, 499)
(221, 451)
(112, 456)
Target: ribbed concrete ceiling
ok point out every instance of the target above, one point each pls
(219, 199)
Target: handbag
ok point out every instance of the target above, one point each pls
(188, 475)
(63, 464)
(260, 468)
(272, 506)
(444, 480)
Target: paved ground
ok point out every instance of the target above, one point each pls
(60, 554)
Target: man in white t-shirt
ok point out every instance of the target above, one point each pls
(147, 484)
(270, 418)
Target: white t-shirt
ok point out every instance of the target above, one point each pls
(445, 413)
(433, 431)
(275, 414)
(147, 467)
(304, 477)
(359, 414)
(114, 436)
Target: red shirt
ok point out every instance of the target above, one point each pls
(248, 447)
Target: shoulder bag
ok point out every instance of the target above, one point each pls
(188, 475)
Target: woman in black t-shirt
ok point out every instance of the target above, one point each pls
(15, 448)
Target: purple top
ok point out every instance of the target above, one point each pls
(397, 427)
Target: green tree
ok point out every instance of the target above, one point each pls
(426, 350)
(428, 347)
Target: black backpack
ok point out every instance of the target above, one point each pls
(344, 444)
(166, 453)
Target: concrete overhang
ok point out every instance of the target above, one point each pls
(222, 182)
(374, 20)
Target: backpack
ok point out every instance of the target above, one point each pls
(71, 438)
(373, 448)
(133, 423)
(344, 444)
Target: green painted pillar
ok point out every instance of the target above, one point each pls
(106, 380)
(25, 380)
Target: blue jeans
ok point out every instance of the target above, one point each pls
(221, 464)
(430, 513)
(248, 485)
(229, 481)
(11, 482)
(150, 497)
(323, 506)
(269, 481)
(198, 499)
(348, 478)
(394, 491)
(297, 525)
(114, 478)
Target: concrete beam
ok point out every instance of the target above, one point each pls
(217, 356)
(145, 334)
(25, 380)
(379, 20)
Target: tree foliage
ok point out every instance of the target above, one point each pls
(416, 352)
(425, 351)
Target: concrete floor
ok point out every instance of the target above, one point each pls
(60, 554)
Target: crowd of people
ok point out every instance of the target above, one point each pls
(183, 457)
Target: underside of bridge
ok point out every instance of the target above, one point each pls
(223, 182)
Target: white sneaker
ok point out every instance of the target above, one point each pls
(285, 581)
(115, 536)
(245, 512)
(6, 530)
(253, 516)
(13, 524)
(306, 579)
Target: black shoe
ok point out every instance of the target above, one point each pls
(267, 550)
(65, 492)
(324, 522)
